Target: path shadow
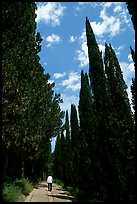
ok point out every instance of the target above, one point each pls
(63, 197)
(41, 186)
(64, 193)
(59, 189)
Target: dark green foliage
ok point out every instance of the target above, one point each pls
(75, 145)
(114, 126)
(96, 71)
(31, 114)
(16, 191)
(60, 157)
(68, 162)
(103, 144)
(131, 9)
(88, 142)
(133, 80)
(123, 139)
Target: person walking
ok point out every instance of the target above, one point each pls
(49, 181)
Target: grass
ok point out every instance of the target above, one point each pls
(73, 191)
(16, 191)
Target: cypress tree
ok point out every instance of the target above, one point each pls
(68, 163)
(57, 158)
(75, 144)
(29, 102)
(63, 155)
(96, 70)
(89, 171)
(131, 9)
(133, 80)
(123, 134)
(102, 104)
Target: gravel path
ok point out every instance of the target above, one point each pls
(41, 194)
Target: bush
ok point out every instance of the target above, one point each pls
(25, 186)
(16, 191)
(11, 193)
(59, 182)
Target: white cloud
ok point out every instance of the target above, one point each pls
(117, 8)
(110, 25)
(102, 49)
(128, 71)
(50, 13)
(119, 49)
(112, 22)
(53, 39)
(107, 4)
(72, 38)
(50, 81)
(59, 75)
(82, 5)
(73, 81)
(130, 95)
(130, 57)
(82, 54)
(67, 100)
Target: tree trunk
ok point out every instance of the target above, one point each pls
(5, 164)
(22, 170)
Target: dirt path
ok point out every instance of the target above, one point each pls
(41, 194)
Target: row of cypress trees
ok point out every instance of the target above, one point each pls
(97, 154)
(28, 100)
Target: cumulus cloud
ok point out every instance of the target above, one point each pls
(109, 24)
(50, 81)
(112, 23)
(59, 75)
(67, 100)
(50, 13)
(128, 71)
(130, 95)
(130, 57)
(72, 39)
(82, 54)
(119, 49)
(53, 39)
(102, 49)
(82, 5)
(117, 8)
(73, 81)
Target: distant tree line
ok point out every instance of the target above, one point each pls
(96, 152)
(31, 112)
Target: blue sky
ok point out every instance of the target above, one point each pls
(64, 50)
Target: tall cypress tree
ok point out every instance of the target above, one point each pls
(57, 158)
(89, 170)
(75, 144)
(63, 155)
(29, 102)
(123, 137)
(133, 80)
(96, 70)
(102, 104)
(131, 9)
(68, 163)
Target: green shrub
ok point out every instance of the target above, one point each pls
(59, 182)
(11, 193)
(72, 190)
(25, 186)
(16, 191)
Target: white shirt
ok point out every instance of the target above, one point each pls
(49, 179)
